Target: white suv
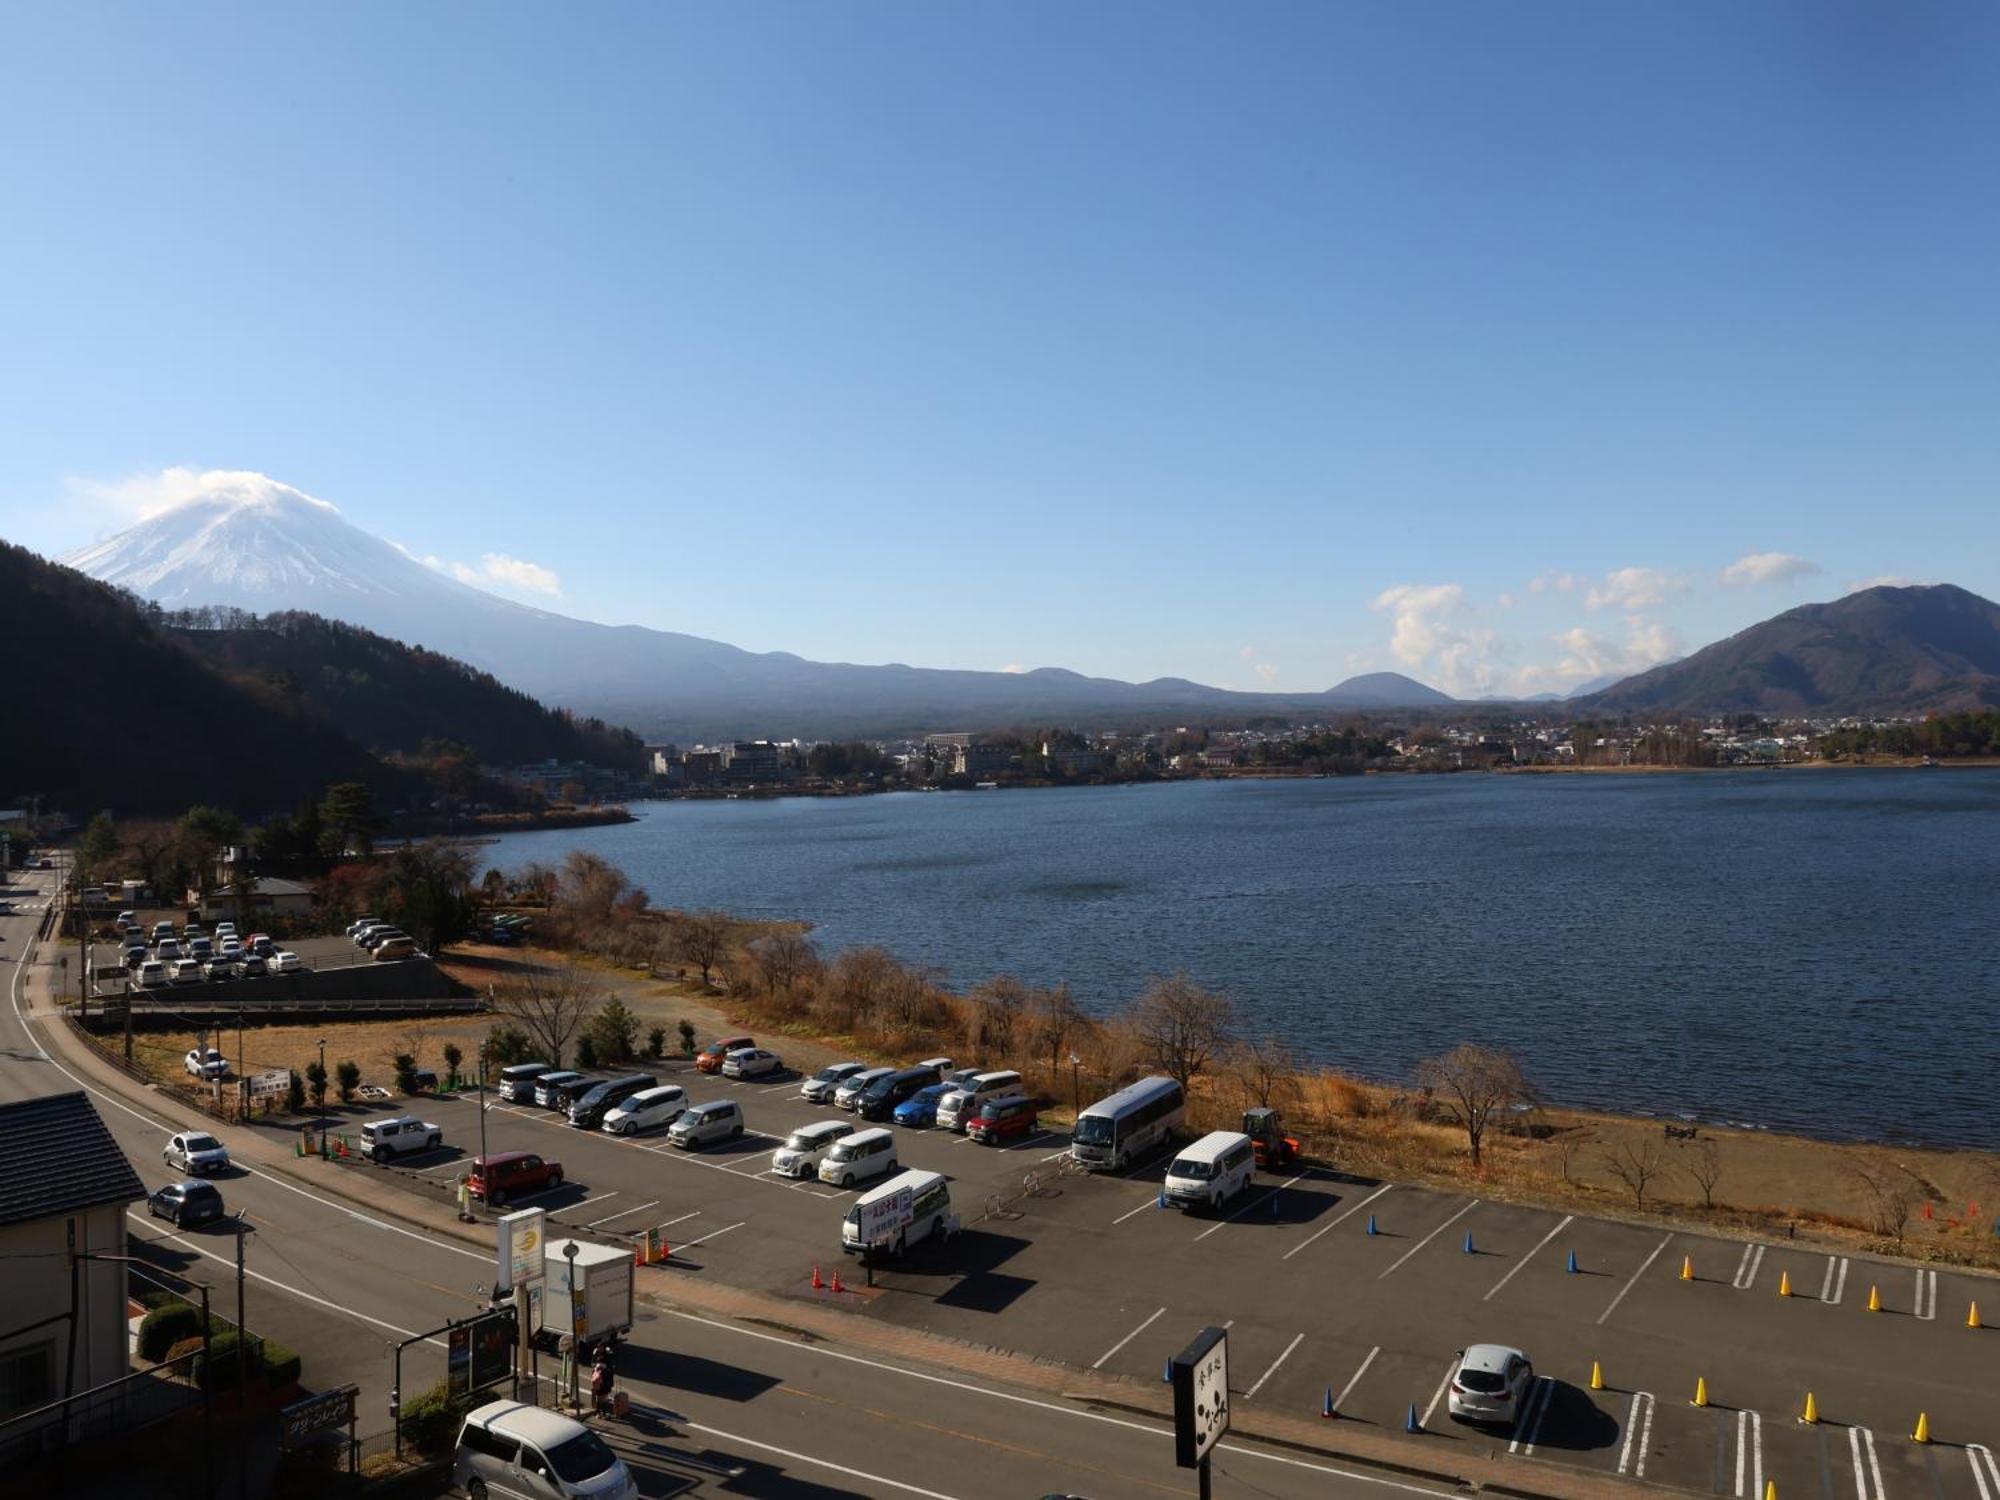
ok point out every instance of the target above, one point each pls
(206, 1063)
(383, 1139)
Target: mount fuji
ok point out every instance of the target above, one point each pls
(249, 542)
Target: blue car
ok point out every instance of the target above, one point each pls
(921, 1107)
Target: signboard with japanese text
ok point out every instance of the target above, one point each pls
(1201, 1396)
(522, 1238)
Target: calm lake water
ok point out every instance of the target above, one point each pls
(1809, 950)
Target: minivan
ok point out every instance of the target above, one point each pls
(517, 1082)
(706, 1124)
(819, 1088)
(549, 1087)
(938, 1065)
(590, 1107)
(562, 1092)
(956, 1108)
(646, 1110)
(879, 1100)
(1211, 1171)
(1010, 1117)
(806, 1147)
(513, 1449)
(861, 1157)
(508, 1174)
(849, 1091)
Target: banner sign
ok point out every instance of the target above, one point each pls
(522, 1242)
(880, 1220)
(277, 1081)
(321, 1413)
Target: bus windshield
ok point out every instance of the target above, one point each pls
(1095, 1130)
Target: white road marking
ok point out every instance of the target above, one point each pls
(1835, 1281)
(1297, 1339)
(1355, 1379)
(1098, 1363)
(777, 1086)
(1528, 1426)
(1750, 1453)
(1644, 1434)
(1860, 1439)
(1926, 1307)
(1335, 1222)
(1568, 1219)
(1040, 1135)
(1985, 1473)
(691, 1214)
(802, 1458)
(623, 1212)
(1152, 1202)
(1253, 1203)
(713, 1234)
(1635, 1278)
(1438, 1394)
(1752, 1263)
(1429, 1237)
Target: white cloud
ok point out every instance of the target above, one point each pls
(1633, 588)
(1248, 653)
(1767, 567)
(143, 496)
(1266, 670)
(1430, 632)
(1014, 668)
(1587, 654)
(1884, 581)
(1565, 583)
(512, 573)
(1505, 601)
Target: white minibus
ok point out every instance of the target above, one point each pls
(904, 1211)
(1119, 1130)
(1211, 1171)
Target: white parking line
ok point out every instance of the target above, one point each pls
(1355, 1379)
(1926, 1307)
(701, 1239)
(1644, 1434)
(1859, 1438)
(1152, 1202)
(1438, 1394)
(1429, 1237)
(1635, 1278)
(1098, 1363)
(1750, 1453)
(1834, 1287)
(691, 1214)
(1528, 1426)
(598, 1199)
(1040, 1135)
(777, 1086)
(1335, 1222)
(426, 1171)
(1297, 1339)
(1748, 1267)
(1057, 1155)
(1253, 1203)
(624, 1213)
(1514, 1270)
(1985, 1473)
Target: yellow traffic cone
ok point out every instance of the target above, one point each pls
(1874, 1299)
(1687, 1268)
(1700, 1390)
(1596, 1376)
(1972, 1316)
(1810, 1416)
(1784, 1283)
(1770, 1489)
(1923, 1432)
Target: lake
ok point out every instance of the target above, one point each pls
(1808, 950)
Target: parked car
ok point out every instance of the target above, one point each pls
(510, 1448)
(709, 1059)
(218, 968)
(186, 1204)
(391, 949)
(707, 1124)
(162, 931)
(1490, 1383)
(206, 1063)
(648, 1109)
(750, 1062)
(879, 1100)
(200, 948)
(252, 967)
(806, 1147)
(588, 1109)
(938, 1065)
(225, 929)
(228, 947)
(365, 931)
(517, 1081)
(509, 1174)
(998, 1121)
(260, 944)
(168, 951)
(963, 1102)
(127, 919)
(921, 1107)
(549, 1085)
(354, 927)
(819, 1088)
(196, 1153)
(187, 971)
(376, 936)
(152, 975)
(849, 1091)
(383, 1139)
(135, 954)
(858, 1158)
(284, 961)
(566, 1091)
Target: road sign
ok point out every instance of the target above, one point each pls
(321, 1413)
(879, 1221)
(1201, 1396)
(274, 1082)
(521, 1248)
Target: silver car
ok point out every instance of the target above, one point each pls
(707, 1125)
(195, 1152)
(848, 1095)
(1490, 1384)
(819, 1088)
(510, 1449)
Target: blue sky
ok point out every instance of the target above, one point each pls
(1253, 344)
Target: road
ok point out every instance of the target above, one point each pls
(720, 1407)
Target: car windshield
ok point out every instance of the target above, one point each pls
(834, 1073)
(203, 1143)
(1198, 1171)
(802, 1140)
(584, 1456)
(1481, 1380)
(1094, 1130)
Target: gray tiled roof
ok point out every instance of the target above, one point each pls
(60, 1159)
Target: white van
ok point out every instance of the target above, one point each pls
(904, 1211)
(938, 1065)
(1211, 1171)
(851, 1088)
(509, 1448)
(960, 1105)
(646, 1110)
(861, 1157)
(806, 1147)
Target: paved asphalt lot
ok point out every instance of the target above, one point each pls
(1089, 1271)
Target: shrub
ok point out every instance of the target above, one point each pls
(165, 1326)
(430, 1418)
(316, 1080)
(405, 1068)
(614, 1032)
(586, 1053)
(295, 1095)
(656, 1042)
(453, 1056)
(507, 1044)
(686, 1029)
(349, 1076)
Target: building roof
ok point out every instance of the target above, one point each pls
(60, 1159)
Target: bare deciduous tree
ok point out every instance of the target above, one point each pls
(1056, 1022)
(1266, 1068)
(699, 938)
(1181, 1026)
(1568, 1143)
(550, 1005)
(1892, 1193)
(1472, 1084)
(783, 960)
(1702, 1161)
(997, 1008)
(1636, 1159)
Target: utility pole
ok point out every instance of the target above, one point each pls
(482, 1102)
(243, 1230)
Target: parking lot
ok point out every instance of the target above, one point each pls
(1322, 1311)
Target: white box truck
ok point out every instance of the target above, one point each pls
(589, 1294)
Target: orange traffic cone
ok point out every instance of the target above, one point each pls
(817, 1283)
(1687, 1268)
(837, 1288)
(1784, 1283)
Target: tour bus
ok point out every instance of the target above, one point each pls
(878, 1216)
(1211, 1171)
(1117, 1131)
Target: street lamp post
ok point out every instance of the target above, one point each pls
(1075, 1087)
(322, 1072)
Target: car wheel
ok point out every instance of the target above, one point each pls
(555, 1179)
(433, 1143)
(475, 1489)
(380, 1155)
(496, 1197)
(736, 1133)
(847, 1181)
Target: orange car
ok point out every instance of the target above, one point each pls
(709, 1059)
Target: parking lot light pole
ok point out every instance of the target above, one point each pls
(482, 1104)
(1075, 1087)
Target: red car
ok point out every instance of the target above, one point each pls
(508, 1174)
(709, 1059)
(1001, 1120)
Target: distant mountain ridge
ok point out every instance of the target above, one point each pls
(1895, 651)
(266, 547)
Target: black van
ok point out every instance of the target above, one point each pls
(879, 1100)
(518, 1082)
(591, 1106)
